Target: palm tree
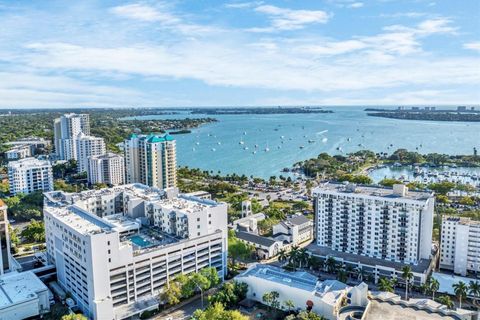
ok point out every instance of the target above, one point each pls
(289, 305)
(445, 300)
(331, 264)
(474, 290)
(407, 275)
(303, 257)
(385, 285)
(434, 286)
(460, 290)
(282, 256)
(342, 275)
(293, 255)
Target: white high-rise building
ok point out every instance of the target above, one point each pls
(460, 243)
(115, 249)
(108, 168)
(5, 255)
(151, 160)
(30, 175)
(373, 227)
(88, 146)
(66, 130)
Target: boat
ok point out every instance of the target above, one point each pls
(219, 143)
(245, 148)
(324, 140)
(213, 149)
(197, 143)
(311, 141)
(244, 133)
(241, 142)
(301, 147)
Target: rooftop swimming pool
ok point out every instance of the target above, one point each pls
(140, 241)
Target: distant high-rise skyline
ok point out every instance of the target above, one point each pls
(151, 160)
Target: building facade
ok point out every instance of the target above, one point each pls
(23, 295)
(303, 289)
(108, 168)
(459, 245)
(151, 160)
(115, 249)
(66, 129)
(29, 175)
(88, 146)
(389, 227)
(5, 255)
(18, 152)
(294, 230)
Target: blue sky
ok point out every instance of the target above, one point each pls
(236, 53)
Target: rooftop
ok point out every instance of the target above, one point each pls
(420, 267)
(186, 204)
(462, 220)
(328, 290)
(254, 238)
(28, 162)
(107, 155)
(297, 219)
(19, 287)
(152, 138)
(373, 191)
(60, 198)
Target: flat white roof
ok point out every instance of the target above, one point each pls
(28, 163)
(19, 287)
(186, 204)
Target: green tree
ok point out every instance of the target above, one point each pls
(460, 289)
(434, 285)
(34, 232)
(474, 290)
(443, 187)
(407, 275)
(446, 301)
(75, 316)
(342, 275)
(171, 293)
(217, 312)
(271, 300)
(389, 182)
(211, 274)
(289, 305)
(305, 315)
(331, 265)
(385, 284)
(230, 294)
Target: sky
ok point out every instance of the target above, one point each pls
(234, 53)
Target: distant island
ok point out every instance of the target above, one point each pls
(461, 113)
(260, 110)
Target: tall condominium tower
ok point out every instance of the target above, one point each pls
(66, 130)
(460, 239)
(30, 175)
(5, 257)
(151, 160)
(88, 146)
(108, 168)
(376, 227)
(116, 249)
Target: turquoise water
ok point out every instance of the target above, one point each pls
(139, 241)
(347, 129)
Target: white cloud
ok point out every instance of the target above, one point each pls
(144, 13)
(356, 5)
(243, 5)
(288, 19)
(472, 46)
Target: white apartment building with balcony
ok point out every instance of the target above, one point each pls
(29, 175)
(151, 160)
(66, 129)
(115, 249)
(88, 146)
(460, 245)
(377, 229)
(108, 168)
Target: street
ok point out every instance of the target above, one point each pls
(184, 312)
